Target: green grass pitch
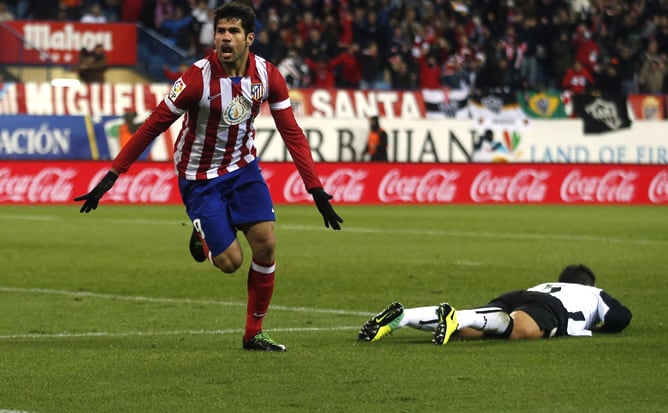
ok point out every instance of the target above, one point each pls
(107, 312)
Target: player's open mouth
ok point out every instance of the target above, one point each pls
(226, 51)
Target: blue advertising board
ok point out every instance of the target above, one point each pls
(30, 137)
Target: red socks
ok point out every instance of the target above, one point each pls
(260, 290)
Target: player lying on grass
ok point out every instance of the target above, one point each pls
(573, 306)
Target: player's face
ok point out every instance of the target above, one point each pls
(232, 44)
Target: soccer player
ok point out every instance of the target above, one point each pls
(573, 306)
(216, 159)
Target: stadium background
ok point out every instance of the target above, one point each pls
(439, 74)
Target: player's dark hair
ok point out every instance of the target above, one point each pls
(236, 11)
(577, 274)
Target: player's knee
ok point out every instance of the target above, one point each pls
(228, 264)
(264, 249)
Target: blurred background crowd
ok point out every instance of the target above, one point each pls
(611, 46)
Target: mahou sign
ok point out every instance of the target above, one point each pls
(359, 183)
(62, 42)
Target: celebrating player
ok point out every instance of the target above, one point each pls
(571, 307)
(216, 159)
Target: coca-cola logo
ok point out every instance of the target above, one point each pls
(47, 185)
(152, 185)
(658, 188)
(344, 184)
(436, 185)
(615, 186)
(526, 185)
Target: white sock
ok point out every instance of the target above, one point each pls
(491, 320)
(420, 318)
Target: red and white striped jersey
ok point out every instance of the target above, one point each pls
(217, 135)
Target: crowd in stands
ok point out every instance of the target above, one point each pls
(617, 46)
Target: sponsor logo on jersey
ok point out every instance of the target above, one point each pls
(237, 111)
(177, 88)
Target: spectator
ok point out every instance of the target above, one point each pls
(92, 64)
(587, 50)
(429, 70)
(330, 37)
(41, 10)
(205, 35)
(496, 73)
(651, 77)
(70, 10)
(111, 9)
(275, 46)
(313, 45)
(127, 128)
(201, 16)
(372, 68)
(400, 77)
(321, 73)
(131, 10)
(346, 29)
(348, 68)
(164, 9)
(540, 38)
(607, 79)
(5, 13)
(562, 57)
(94, 15)
(628, 67)
(261, 46)
(306, 24)
(294, 70)
(177, 28)
(530, 37)
(376, 146)
(577, 79)
(174, 75)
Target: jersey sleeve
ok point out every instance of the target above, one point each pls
(291, 133)
(616, 317)
(185, 92)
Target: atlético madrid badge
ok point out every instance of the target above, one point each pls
(236, 111)
(257, 90)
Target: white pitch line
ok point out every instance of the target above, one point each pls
(167, 333)
(13, 411)
(179, 301)
(421, 232)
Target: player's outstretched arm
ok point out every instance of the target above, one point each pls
(330, 217)
(92, 199)
(616, 318)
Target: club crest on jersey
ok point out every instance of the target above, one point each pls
(177, 88)
(257, 91)
(237, 111)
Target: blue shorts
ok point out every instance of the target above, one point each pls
(222, 204)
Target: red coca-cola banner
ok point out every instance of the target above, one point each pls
(62, 42)
(360, 183)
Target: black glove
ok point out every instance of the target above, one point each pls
(321, 199)
(93, 197)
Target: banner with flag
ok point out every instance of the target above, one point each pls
(601, 114)
(498, 106)
(542, 105)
